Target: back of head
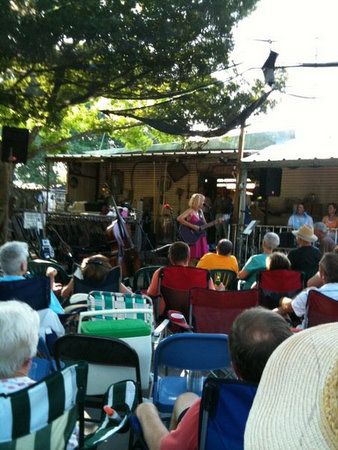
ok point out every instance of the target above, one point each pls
(224, 247)
(12, 255)
(278, 261)
(254, 336)
(320, 226)
(96, 268)
(271, 240)
(329, 266)
(296, 405)
(179, 253)
(19, 333)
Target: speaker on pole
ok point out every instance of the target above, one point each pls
(14, 144)
(270, 182)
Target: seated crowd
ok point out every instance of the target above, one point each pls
(257, 349)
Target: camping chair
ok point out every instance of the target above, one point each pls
(193, 352)
(224, 410)
(227, 277)
(215, 311)
(175, 283)
(142, 278)
(38, 267)
(320, 309)
(125, 316)
(109, 360)
(110, 283)
(33, 291)
(275, 284)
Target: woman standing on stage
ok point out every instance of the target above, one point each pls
(192, 218)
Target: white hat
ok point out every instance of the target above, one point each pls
(306, 233)
(296, 405)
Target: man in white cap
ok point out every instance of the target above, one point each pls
(306, 257)
(296, 405)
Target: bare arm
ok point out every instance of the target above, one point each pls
(285, 306)
(152, 426)
(68, 289)
(183, 219)
(243, 274)
(315, 281)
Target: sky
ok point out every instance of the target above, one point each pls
(301, 31)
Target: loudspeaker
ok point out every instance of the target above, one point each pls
(177, 170)
(14, 144)
(270, 182)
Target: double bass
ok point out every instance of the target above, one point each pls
(123, 245)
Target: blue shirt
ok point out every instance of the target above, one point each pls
(54, 302)
(296, 221)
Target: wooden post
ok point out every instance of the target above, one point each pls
(237, 216)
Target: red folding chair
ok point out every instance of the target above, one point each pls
(320, 309)
(175, 283)
(215, 311)
(275, 284)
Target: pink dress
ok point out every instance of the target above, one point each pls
(200, 247)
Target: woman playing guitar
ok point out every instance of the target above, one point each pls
(193, 218)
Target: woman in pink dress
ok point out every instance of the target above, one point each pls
(193, 218)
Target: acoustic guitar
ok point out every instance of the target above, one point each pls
(190, 236)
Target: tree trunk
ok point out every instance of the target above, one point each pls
(4, 201)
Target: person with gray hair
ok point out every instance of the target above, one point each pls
(257, 263)
(13, 262)
(325, 243)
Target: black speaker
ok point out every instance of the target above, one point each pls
(270, 182)
(14, 144)
(177, 170)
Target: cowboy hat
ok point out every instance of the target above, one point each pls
(296, 405)
(306, 233)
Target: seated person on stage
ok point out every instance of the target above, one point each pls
(328, 270)
(222, 259)
(253, 337)
(331, 220)
(325, 242)
(19, 334)
(94, 269)
(306, 257)
(296, 405)
(13, 261)
(257, 263)
(299, 218)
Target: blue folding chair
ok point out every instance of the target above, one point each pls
(34, 291)
(194, 352)
(224, 410)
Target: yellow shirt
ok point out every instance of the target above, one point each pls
(214, 261)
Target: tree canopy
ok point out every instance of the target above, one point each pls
(55, 54)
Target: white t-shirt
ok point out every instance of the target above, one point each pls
(299, 302)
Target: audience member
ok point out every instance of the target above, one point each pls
(19, 335)
(13, 261)
(94, 269)
(328, 270)
(316, 280)
(278, 261)
(296, 405)
(325, 243)
(222, 259)
(257, 263)
(299, 218)
(254, 336)
(306, 257)
(331, 220)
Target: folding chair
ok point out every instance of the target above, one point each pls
(109, 360)
(110, 283)
(44, 415)
(38, 267)
(33, 291)
(175, 283)
(215, 311)
(125, 316)
(193, 352)
(142, 278)
(275, 284)
(224, 410)
(320, 309)
(226, 277)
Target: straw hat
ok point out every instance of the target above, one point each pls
(296, 405)
(306, 233)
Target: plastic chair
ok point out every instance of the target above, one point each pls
(192, 352)
(227, 277)
(215, 311)
(33, 291)
(320, 309)
(109, 360)
(38, 267)
(142, 278)
(275, 284)
(225, 408)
